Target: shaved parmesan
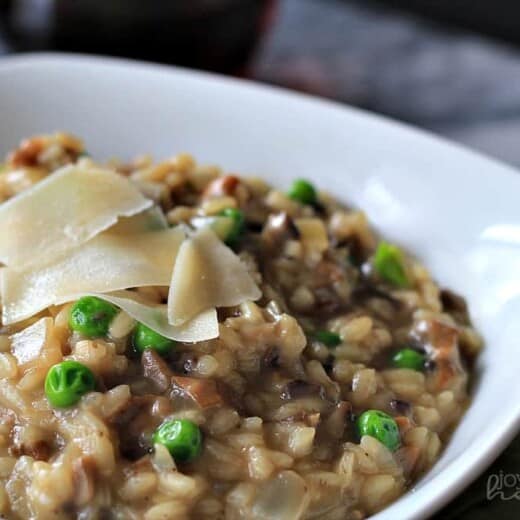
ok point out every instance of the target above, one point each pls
(207, 274)
(201, 328)
(149, 220)
(108, 262)
(153, 190)
(63, 211)
(221, 226)
(27, 344)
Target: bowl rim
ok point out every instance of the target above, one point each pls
(21, 60)
(465, 468)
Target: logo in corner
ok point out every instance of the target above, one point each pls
(504, 486)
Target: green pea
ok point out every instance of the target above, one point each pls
(329, 339)
(92, 316)
(144, 337)
(181, 437)
(389, 264)
(303, 191)
(237, 228)
(409, 358)
(66, 382)
(381, 426)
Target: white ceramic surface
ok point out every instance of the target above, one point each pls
(459, 211)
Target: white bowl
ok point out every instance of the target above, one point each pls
(459, 211)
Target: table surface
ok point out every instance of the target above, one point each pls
(455, 83)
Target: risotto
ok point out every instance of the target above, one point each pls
(177, 342)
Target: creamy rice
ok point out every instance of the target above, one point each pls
(277, 407)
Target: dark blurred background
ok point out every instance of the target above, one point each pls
(211, 34)
(450, 66)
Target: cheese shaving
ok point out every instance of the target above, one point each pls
(207, 274)
(108, 262)
(202, 327)
(63, 211)
(152, 219)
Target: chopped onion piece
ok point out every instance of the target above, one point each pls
(108, 262)
(63, 211)
(161, 459)
(284, 497)
(201, 328)
(207, 274)
(27, 344)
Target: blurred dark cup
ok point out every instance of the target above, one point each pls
(208, 34)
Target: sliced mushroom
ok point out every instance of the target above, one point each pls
(203, 391)
(39, 450)
(271, 358)
(403, 423)
(336, 422)
(278, 229)
(156, 369)
(455, 305)
(367, 290)
(222, 186)
(401, 407)
(298, 389)
(137, 422)
(328, 273)
(31, 151)
(27, 153)
(32, 441)
(440, 342)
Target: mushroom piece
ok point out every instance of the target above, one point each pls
(137, 421)
(30, 152)
(298, 388)
(404, 423)
(278, 229)
(203, 391)
(156, 369)
(440, 342)
(222, 186)
(366, 290)
(455, 305)
(27, 153)
(30, 440)
(336, 422)
(401, 407)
